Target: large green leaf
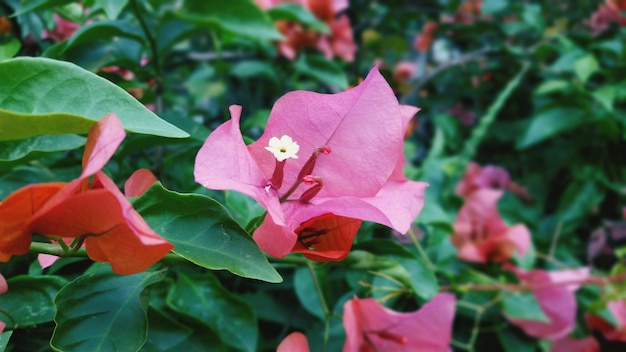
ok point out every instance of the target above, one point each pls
(202, 231)
(112, 8)
(241, 17)
(30, 299)
(4, 340)
(33, 5)
(43, 96)
(203, 298)
(164, 333)
(103, 311)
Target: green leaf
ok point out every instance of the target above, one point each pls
(164, 333)
(548, 123)
(553, 86)
(523, 305)
(8, 50)
(35, 146)
(102, 311)
(4, 340)
(585, 67)
(203, 298)
(112, 8)
(493, 6)
(307, 292)
(254, 68)
(43, 96)
(241, 17)
(323, 70)
(297, 13)
(34, 5)
(422, 278)
(102, 30)
(203, 232)
(605, 96)
(30, 299)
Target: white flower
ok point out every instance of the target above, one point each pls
(283, 148)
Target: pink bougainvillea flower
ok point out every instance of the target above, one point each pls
(63, 29)
(340, 41)
(349, 165)
(568, 344)
(114, 231)
(139, 182)
(490, 177)
(372, 327)
(294, 342)
(481, 235)
(554, 291)
(606, 14)
(403, 71)
(610, 331)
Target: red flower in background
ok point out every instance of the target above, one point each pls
(488, 177)
(63, 29)
(372, 327)
(480, 233)
(114, 232)
(3, 288)
(424, 40)
(568, 344)
(339, 42)
(610, 12)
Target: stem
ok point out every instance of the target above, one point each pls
(532, 287)
(80, 251)
(421, 250)
(327, 312)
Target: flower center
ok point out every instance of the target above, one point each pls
(283, 148)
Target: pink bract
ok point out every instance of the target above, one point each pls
(294, 342)
(488, 177)
(361, 128)
(480, 233)
(610, 332)
(568, 344)
(554, 291)
(372, 327)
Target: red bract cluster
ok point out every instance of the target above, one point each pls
(607, 14)
(339, 42)
(94, 211)
(63, 29)
(324, 163)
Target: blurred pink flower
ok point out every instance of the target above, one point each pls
(466, 117)
(294, 342)
(605, 15)
(372, 327)
(481, 235)
(347, 166)
(62, 30)
(610, 332)
(554, 291)
(568, 344)
(403, 71)
(488, 177)
(4, 287)
(340, 41)
(424, 40)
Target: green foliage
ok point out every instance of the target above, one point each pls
(102, 311)
(203, 232)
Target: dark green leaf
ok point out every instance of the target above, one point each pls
(43, 96)
(34, 5)
(164, 333)
(241, 17)
(104, 30)
(203, 232)
(307, 293)
(103, 311)
(323, 70)
(16, 150)
(205, 299)
(30, 299)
